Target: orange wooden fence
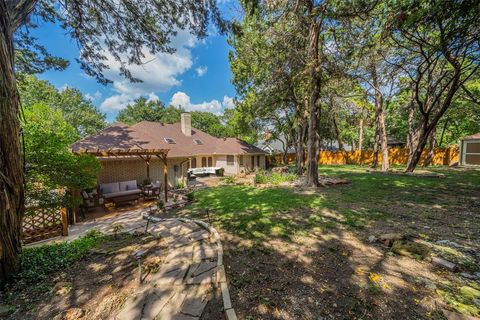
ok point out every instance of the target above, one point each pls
(442, 156)
(42, 223)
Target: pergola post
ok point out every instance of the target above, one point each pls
(147, 162)
(165, 175)
(145, 154)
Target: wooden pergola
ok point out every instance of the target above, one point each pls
(144, 154)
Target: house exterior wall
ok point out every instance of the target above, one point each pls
(114, 170)
(221, 162)
(240, 165)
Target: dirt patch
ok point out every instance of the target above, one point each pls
(94, 288)
(331, 275)
(316, 261)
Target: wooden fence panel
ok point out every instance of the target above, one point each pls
(397, 156)
(41, 223)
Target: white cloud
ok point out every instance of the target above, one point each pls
(153, 97)
(182, 100)
(159, 73)
(201, 70)
(94, 97)
(116, 102)
(228, 102)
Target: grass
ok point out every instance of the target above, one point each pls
(39, 262)
(295, 223)
(253, 212)
(261, 212)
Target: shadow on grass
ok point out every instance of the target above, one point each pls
(291, 254)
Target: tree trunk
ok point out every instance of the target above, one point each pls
(300, 147)
(11, 171)
(314, 105)
(440, 144)
(285, 153)
(375, 147)
(379, 110)
(360, 135)
(337, 134)
(412, 136)
(431, 148)
(427, 125)
(417, 151)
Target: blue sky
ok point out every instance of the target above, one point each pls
(196, 77)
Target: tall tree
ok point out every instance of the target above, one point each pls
(439, 50)
(267, 63)
(77, 110)
(50, 164)
(142, 109)
(124, 30)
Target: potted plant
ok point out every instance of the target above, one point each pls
(160, 204)
(147, 181)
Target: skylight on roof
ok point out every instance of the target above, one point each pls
(169, 140)
(197, 141)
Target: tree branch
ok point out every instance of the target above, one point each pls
(20, 13)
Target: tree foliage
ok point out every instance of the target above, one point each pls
(78, 111)
(122, 31)
(358, 73)
(51, 167)
(154, 110)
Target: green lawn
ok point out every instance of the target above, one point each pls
(283, 245)
(261, 212)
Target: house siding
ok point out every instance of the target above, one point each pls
(136, 169)
(114, 170)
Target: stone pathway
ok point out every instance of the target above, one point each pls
(192, 269)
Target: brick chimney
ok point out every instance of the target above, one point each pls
(186, 124)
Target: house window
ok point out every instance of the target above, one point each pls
(198, 142)
(258, 161)
(230, 160)
(210, 162)
(240, 160)
(204, 162)
(193, 162)
(169, 140)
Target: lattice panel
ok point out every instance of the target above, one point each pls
(43, 223)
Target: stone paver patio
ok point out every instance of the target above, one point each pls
(191, 271)
(186, 280)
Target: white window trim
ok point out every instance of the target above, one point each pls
(464, 150)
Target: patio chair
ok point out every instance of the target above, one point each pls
(152, 190)
(91, 200)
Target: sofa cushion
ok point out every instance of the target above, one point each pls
(122, 193)
(128, 185)
(109, 187)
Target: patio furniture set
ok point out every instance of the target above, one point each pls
(119, 193)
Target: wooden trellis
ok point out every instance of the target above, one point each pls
(42, 223)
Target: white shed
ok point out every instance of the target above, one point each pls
(470, 150)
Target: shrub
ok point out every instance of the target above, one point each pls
(36, 263)
(262, 177)
(147, 181)
(228, 179)
(190, 196)
(160, 204)
(180, 184)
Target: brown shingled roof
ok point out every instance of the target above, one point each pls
(472, 137)
(151, 135)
